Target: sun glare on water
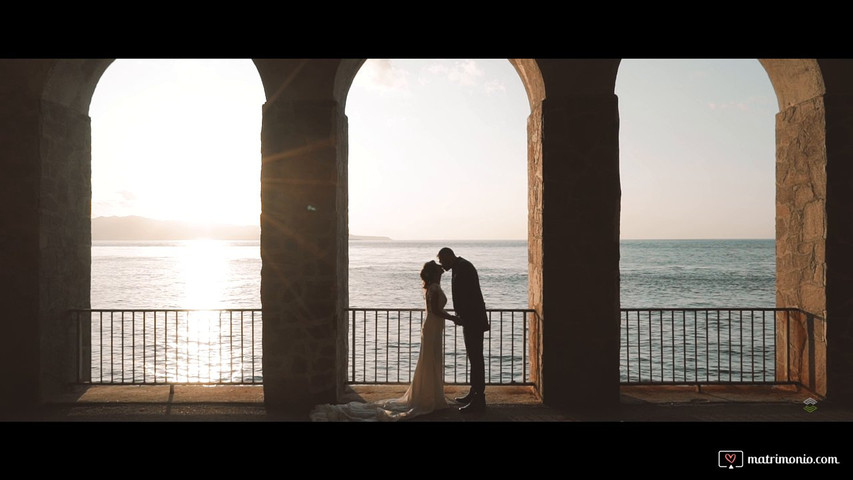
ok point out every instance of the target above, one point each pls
(205, 272)
(204, 268)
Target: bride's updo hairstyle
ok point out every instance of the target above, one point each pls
(431, 273)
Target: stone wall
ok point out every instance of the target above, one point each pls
(65, 239)
(801, 241)
(45, 242)
(535, 251)
(801, 351)
(801, 208)
(303, 276)
(341, 325)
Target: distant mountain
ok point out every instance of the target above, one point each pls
(141, 228)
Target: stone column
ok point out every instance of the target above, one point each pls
(575, 247)
(304, 253)
(801, 263)
(535, 250)
(45, 241)
(65, 243)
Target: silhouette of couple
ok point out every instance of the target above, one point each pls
(426, 391)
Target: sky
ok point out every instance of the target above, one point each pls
(438, 148)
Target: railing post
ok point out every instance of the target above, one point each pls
(352, 348)
(83, 324)
(783, 350)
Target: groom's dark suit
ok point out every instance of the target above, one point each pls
(469, 306)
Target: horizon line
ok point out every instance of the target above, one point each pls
(389, 238)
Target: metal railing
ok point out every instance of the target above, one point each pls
(385, 345)
(704, 346)
(170, 346)
(658, 346)
(225, 346)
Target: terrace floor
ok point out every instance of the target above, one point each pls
(183, 403)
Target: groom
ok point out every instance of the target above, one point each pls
(470, 308)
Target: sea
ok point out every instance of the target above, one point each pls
(384, 276)
(216, 274)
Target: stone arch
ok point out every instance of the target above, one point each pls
(72, 82)
(317, 372)
(800, 217)
(63, 150)
(794, 80)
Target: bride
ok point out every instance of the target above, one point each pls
(426, 392)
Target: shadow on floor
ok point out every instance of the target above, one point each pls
(220, 403)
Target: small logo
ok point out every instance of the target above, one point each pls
(810, 405)
(730, 459)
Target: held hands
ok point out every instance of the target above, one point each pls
(455, 319)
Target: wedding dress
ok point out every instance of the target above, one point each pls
(424, 395)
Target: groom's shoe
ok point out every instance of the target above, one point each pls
(466, 399)
(476, 404)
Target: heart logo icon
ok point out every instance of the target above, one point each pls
(730, 457)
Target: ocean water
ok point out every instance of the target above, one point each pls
(385, 274)
(698, 273)
(219, 275)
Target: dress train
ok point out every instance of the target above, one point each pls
(425, 393)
